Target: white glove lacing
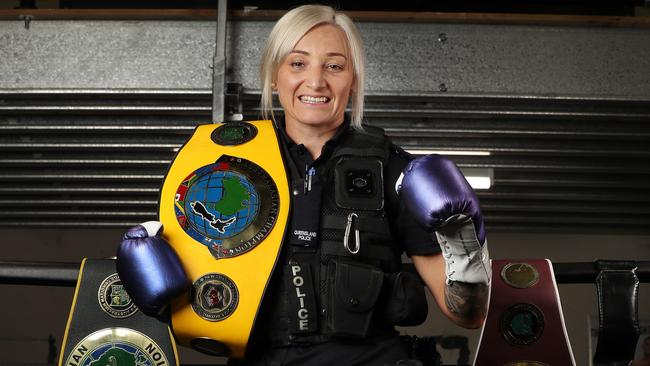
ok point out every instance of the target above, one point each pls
(466, 259)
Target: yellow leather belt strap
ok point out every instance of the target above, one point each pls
(224, 205)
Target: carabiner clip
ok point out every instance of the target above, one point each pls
(357, 240)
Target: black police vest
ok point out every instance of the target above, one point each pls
(356, 251)
(353, 202)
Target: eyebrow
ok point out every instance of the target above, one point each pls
(328, 53)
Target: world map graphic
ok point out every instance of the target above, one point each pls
(221, 204)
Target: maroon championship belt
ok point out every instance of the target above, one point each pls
(524, 325)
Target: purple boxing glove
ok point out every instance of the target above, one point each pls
(149, 269)
(438, 196)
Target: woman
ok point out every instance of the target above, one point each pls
(337, 290)
(343, 177)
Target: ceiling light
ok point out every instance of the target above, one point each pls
(479, 178)
(447, 152)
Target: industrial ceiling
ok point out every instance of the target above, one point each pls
(92, 112)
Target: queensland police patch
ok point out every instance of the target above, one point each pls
(113, 298)
(229, 206)
(214, 297)
(116, 346)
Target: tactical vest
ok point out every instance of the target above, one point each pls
(353, 202)
(344, 286)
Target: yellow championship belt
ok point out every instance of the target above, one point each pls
(224, 205)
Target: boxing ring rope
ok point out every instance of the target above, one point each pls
(65, 274)
(39, 273)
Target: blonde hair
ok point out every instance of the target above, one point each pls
(289, 30)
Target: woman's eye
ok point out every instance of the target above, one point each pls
(297, 64)
(334, 67)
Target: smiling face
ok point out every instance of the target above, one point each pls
(315, 79)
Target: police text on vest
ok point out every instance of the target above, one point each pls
(298, 282)
(305, 235)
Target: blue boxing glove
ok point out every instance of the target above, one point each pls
(149, 269)
(438, 196)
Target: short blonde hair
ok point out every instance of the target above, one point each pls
(289, 30)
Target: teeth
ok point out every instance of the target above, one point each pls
(308, 99)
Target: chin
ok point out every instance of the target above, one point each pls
(317, 121)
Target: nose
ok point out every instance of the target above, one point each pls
(315, 78)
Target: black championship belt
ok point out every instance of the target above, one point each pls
(105, 328)
(618, 303)
(524, 325)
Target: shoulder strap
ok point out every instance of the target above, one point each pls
(370, 141)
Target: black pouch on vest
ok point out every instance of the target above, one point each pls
(406, 301)
(352, 294)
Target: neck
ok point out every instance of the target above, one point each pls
(312, 138)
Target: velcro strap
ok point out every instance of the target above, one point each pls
(367, 250)
(376, 225)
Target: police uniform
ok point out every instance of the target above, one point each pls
(331, 298)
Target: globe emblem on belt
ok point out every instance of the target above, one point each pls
(228, 206)
(118, 353)
(117, 346)
(221, 204)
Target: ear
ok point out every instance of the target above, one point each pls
(353, 87)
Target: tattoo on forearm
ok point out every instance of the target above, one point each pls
(467, 300)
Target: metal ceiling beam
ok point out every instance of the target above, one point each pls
(219, 65)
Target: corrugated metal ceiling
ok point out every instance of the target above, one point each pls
(560, 165)
(91, 113)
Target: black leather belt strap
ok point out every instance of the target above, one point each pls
(618, 288)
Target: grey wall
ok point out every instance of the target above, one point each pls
(29, 314)
(401, 57)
